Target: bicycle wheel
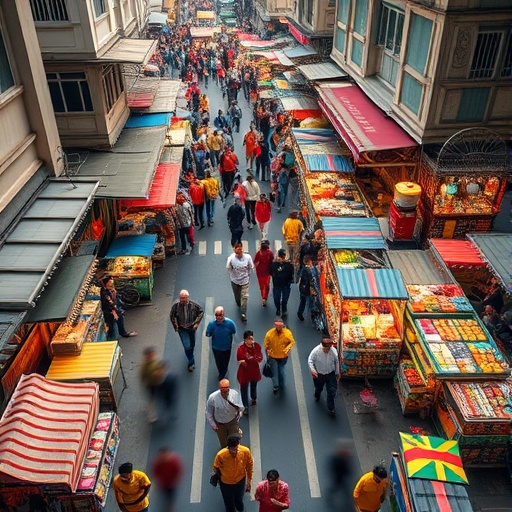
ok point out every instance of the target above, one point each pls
(130, 296)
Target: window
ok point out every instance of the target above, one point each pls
(418, 44)
(6, 78)
(412, 92)
(357, 52)
(360, 17)
(69, 92)
(49, 10)
(310, 5)
(113, 84)
(506, 71)
(390, 30)
(339, 40)
(493, 54)
(99, 7)
(473, 103)
(343, 10)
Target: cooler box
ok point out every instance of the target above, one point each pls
(401, 223)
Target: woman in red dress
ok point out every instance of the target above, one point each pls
(249, 357)
(262, 262)
(272, 493)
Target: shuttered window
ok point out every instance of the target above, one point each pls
(361, 17)
(412, 92)
(418, 44)
(6, 78)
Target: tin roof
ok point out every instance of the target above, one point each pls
(322, 71)
(379, 283)
(353, 233)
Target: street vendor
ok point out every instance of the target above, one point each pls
(131, 488)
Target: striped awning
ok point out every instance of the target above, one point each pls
(353, 233)
(378, 283)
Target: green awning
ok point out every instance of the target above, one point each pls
(63, 291)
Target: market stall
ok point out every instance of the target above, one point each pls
(97, 362)
(64, 462)
(428, 475)
(129, 262)
(205, 18)
(463, 183)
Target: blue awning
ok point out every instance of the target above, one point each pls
(353, 233)
(314, 135)
(328, 162)
(378, 283)
(148, 120)
(137, 245)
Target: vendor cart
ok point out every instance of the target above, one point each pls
(129, 262)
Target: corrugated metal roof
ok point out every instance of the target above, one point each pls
(457, 253)
(418, 267)
(32, 250)
(353, 233)
(298, 102)
(383, 283)
(322, 71)
(165, 99)
(125, 172)
(283, 59)
(300, 51)
(431, 496)
(9, 323)
(497, 251)
(136, 51)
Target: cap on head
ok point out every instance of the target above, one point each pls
(126, 468)
(233, 440)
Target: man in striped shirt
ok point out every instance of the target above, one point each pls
(186, 315)
(324, 366)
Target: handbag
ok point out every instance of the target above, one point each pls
(215, 477)
(267, 370)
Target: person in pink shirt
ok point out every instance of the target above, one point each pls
(262, 214)
(262, 262)
(272, 493)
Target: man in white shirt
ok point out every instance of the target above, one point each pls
(240, 267)
(252, 190)
(223, 410)
(324, 366)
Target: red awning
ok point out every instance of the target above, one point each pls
(163, 189)
(361, 124)
(458, 253)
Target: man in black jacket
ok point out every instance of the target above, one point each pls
(236, 217)
(281, 271)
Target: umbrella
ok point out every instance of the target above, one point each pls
(432, 458)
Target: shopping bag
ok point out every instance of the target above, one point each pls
(267, 370)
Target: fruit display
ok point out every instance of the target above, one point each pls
(129, 265)
(444, 298)
(460, 346)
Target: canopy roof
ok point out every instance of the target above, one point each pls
(380, 283)
(322, 71)
(353, 233)
(148, 120)
(30, 253)
(328, 162)
(136, 245)
(314, 135)
(361, 124)
(457, 253)
(135, 51)
(418, 267)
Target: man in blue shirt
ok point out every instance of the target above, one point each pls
(221, 331)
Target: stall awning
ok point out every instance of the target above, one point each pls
(63, 290)
(314, 135)
(134, 51)
(496, 249)
(200, 32)
(205, 15)
(299, 102)
(361, 124)
(283, 59)
(10, 321)
(126, 171)
(353, 233)
(165, 97)
(137, 245)
(44, 432)
(457, 253)
(300, 51)
(378, 283)
(335, 163)
(148, 120)
(33, 249)
(163, 189)
(418, 267)
(322, 71)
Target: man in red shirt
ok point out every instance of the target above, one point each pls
(167, 472)
(196, 192)
(227, 167)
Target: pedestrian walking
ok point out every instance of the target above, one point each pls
(159, 382)
(340, 468)
(112, 308)
(272, 493)
(263, 263)
(281, 271)
(228, 163)
(250, 142)
(262, 159)
(308, 283)
(292, 231)
(223, 410)
(235, 114)
(277, 343)
(234, 464)
(263, 213)
(370, 491)
(252, 190)
(249, 357)
(240, 266)
(235, 217)
(167, 470)
(211, 192)
(215, 143)
(196, 192)
(186, 315)
(324, 367)
(131, 489)
(185, 222)
(221, 331)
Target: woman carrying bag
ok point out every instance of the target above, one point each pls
(249, 357)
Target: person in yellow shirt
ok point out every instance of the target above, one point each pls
(277, 343)
(211, 191)
(131, 488)
(292, 231)
(234, 464)
(215, 142)
(370, 492)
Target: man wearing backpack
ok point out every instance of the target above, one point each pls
(235, 114)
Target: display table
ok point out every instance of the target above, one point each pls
(99, 362)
